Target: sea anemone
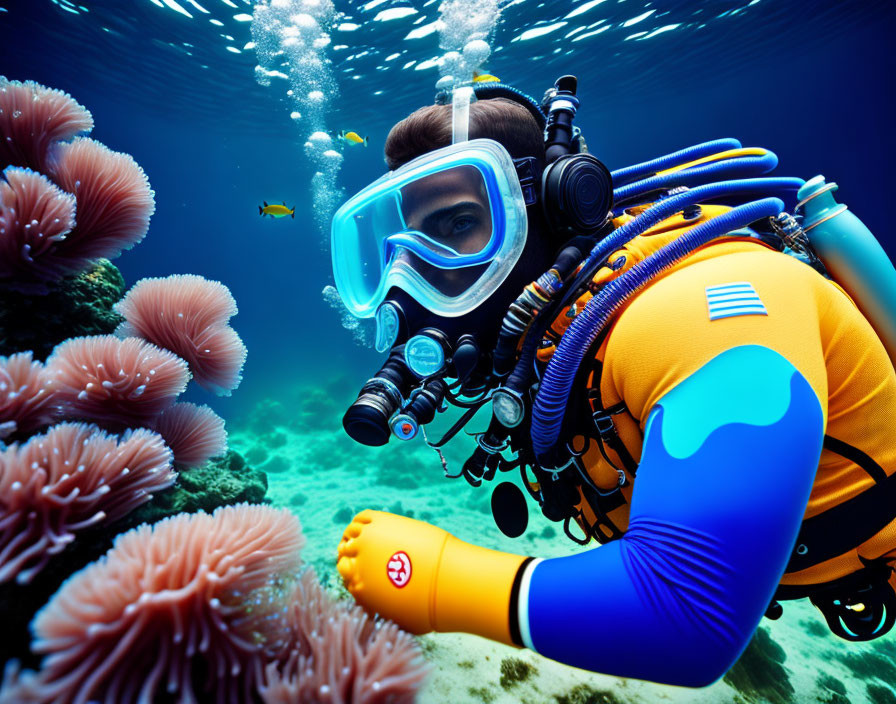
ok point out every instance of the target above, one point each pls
(188, 315)
(194, 433)
(339, 655)
(32, 117)
(35, 217)
(25, 395)
(114, 199)
(178, 600)
(113, 382)
(73, 477)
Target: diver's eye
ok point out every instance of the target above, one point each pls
(462, 225)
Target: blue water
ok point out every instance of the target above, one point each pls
(811, 81)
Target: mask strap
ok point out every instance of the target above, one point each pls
(460, 113)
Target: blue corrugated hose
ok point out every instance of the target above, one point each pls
(550, 403)
(682, 156)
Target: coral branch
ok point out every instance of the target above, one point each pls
(113, 382)
(188, 315)
(32, 117)
(72, 477)
(115, 201)
(194, 433)
(25, 395)
(167, 603)
(340, 655)
(35, 218)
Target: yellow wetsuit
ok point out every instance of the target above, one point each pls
(725, 375)
(666, 334)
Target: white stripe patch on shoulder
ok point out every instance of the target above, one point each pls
(730, 300)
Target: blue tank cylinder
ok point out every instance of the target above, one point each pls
(853, 257)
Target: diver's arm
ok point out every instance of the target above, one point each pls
(727, 466)
(729, 457)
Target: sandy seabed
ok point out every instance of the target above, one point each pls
(316, 471)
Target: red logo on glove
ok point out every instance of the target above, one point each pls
(398, 569)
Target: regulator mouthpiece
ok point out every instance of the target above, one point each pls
(427, 352)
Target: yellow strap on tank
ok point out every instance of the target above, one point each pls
(729, 154)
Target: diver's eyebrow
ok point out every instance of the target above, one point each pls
(448, 210)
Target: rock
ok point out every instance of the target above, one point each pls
(75, 306)
(759, 673)
(221, 481)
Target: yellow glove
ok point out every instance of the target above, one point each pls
(424, 578)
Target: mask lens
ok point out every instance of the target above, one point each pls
(451, 209)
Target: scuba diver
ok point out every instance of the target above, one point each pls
(721, 339)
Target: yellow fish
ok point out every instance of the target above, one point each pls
(276, 211)
(485, 78)
(352, 138)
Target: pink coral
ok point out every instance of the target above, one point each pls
(114, 199)
(72, 477)
(114, 382)
(194, 433)
(169, 602)
(35, 217)
(188, 315)
(32, 117)
(25, 395)
(340, 655)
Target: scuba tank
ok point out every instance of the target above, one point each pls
(853, 257)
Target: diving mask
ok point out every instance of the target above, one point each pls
(447, 228)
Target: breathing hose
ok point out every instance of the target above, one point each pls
(552, 397)
(738, 167)
(670, 161)
(519, 378)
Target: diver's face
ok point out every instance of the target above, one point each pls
(452, 209)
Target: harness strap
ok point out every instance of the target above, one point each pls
(849, 524)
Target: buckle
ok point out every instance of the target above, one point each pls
(603, 420)
(525, 172)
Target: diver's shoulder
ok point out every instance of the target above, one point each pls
(746, 257)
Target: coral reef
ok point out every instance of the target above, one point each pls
(25, 395)
(194, 433)
(188, 315)
(114, 382)
(339, 655)
(223, 481)
(35, 219)
(87, 202)
(198, 606)
(73, 477)
(72, 307)
(32, 118)
(192, 594)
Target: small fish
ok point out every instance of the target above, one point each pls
(351, 138)
(277, 211)
(485, 78)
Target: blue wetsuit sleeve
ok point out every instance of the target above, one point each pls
(728, 462)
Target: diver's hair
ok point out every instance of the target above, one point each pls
(429, 128)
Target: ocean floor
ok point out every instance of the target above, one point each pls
(324, 477)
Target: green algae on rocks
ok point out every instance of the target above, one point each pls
(759, 673)
(74, 306)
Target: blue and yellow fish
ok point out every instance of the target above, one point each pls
(485, 78)
(351, 138)
(277, 211)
